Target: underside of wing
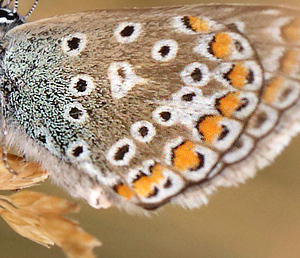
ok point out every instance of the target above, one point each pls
(161, 105)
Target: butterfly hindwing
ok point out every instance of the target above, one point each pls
(158, 104)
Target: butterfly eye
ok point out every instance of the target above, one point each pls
(81, 85)
(78, 151)
(121, 152)
(195, 74)
(75, 113)
(127, 32)
(143, 131)
(74, 44)
(164, 50)
(165, 116)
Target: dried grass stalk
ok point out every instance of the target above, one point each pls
(29, 173)
(39, 217)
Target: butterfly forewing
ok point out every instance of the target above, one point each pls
(158, 104)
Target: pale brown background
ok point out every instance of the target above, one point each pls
(258, 220)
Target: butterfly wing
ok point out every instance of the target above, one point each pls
(156, 105)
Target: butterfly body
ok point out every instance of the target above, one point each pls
(149, 106)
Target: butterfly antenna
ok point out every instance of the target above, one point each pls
(16, 4)
(4, 134)
(31, 10)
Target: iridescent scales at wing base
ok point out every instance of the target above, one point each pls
(145, 107)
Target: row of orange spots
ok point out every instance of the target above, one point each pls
(238, 75)
(221, 45)
(228, 104)
(292, 31)
(196, 24)
(271, 90)
(185, 158)
(208, 126)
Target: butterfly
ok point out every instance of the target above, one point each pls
(142, 107)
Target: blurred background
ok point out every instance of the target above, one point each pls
(258, 219)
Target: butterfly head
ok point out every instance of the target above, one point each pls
(10, 19)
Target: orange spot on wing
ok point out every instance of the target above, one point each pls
(124, 191)
(185, 157)
(292, 31)
(198, 25)
(238, 76)
(221, 45)
(143, 186)
(271, 91)
(229, 103)
(157, 173)
(289, 61)
(209, 127)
